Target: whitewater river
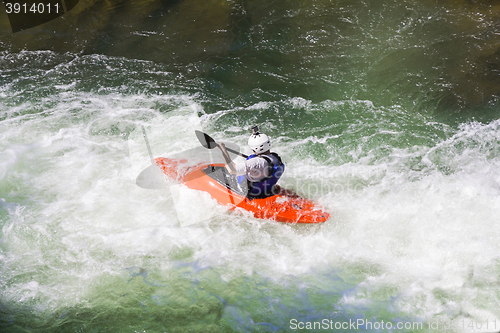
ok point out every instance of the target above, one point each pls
(386, 113)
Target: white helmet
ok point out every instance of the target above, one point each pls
(259, 143)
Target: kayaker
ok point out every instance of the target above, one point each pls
(261, 170)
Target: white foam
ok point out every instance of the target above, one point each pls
(404, 232)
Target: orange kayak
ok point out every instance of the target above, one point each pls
(285, 206)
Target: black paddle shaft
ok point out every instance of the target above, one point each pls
(209, 143)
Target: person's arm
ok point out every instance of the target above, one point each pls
(229, 163)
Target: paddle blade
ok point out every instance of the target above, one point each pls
(205, 140)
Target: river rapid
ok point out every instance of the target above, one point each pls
(385, 112)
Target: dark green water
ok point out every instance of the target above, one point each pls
(385, 112)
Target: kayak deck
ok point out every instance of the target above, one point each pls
(284, 206)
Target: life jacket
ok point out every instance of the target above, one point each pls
(264, 187)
